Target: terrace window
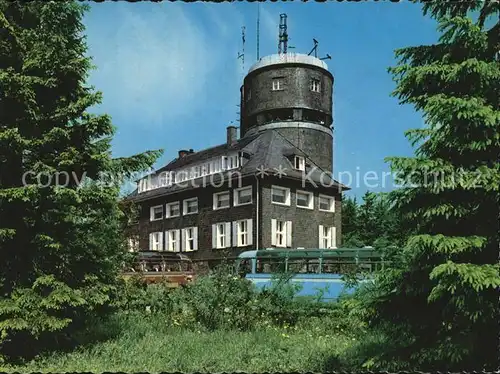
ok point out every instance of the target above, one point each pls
(133, 244)
(156, 241)
(221, 235)
(242, 233)
(327, 239)
(173, 240)
(190, 238)
(281, 233)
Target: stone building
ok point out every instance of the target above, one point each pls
(270, 187)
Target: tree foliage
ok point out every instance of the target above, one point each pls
(439, 306)
(374, 222)
(60, 223)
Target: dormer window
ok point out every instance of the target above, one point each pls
(165, 179)
(204, 170)
(299, 163)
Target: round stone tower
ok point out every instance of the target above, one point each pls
(291, 93)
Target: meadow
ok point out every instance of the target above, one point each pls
(220, 323)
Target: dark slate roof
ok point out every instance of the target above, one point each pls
(268, 150)
(206, 154)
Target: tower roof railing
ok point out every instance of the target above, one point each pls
(288, 58)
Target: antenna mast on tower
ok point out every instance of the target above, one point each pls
(258, 29)
(283, 35)
(242, 54)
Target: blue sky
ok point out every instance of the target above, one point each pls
(170, 76)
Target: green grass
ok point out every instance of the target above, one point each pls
(140, 343)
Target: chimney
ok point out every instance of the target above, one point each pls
(183, 153)
(232, 135)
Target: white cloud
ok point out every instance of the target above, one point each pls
(155, 65)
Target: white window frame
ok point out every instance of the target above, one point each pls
(151, 213)
(299, 163)
(311, 199)
(168, 208)
(315, 85)
(281, 233)
(165, 179)
(277, 84)
(330, 238)
(173, 236)
(236, 201)
(238, 233)
(156, 241)
(215, 200)
(287, 195)
(217, 166)
(217, 235)
(205, 170)
(133, 244)
(185, 239)
(185, 204)
(332, 203)
(286, 232)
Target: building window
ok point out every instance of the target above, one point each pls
(221, 235)
(216, 166)
(190, 238)
(299, 163)
(204, 170)
(133, 244)
(221, 200)
(181, 176)
(305, 199)
(194, 172)
(156, 213)
(172, 210)
(280, 195)
(165, 179)
(190, 206)
(173, 241)
(277, 84)
(327, 237)
(243, 196)
(281, 233)
(156, 241)
(242, 233)
(315, 85)
(326, 203)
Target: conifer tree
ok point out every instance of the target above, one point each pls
(60, 224)
(439, 306)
